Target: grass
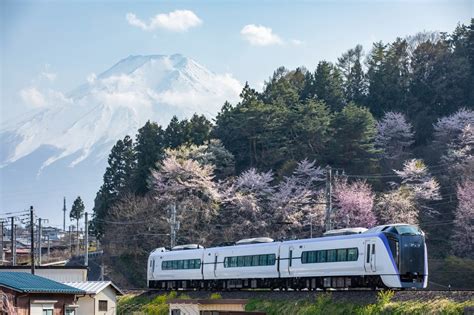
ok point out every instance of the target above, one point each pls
(324, 304)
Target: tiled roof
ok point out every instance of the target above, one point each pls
(28, 283)
(93, 287)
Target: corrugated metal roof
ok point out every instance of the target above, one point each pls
(28, 283)
(93, 287)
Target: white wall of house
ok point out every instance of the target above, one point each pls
(89, 304)
(86, 305)
(109, 295)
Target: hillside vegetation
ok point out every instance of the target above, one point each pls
(393, 127)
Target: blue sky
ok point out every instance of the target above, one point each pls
(58, 44)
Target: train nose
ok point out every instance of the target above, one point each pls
(412, 264)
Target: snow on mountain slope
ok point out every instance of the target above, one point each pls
(116, 103)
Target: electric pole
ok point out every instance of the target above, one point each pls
(328, 197)
(13, 241)
(174, 224)
(2, 254)
(86, 238)
(64, 214)
(49, 248)
(32, 234)
(70, 240)
(39, 240)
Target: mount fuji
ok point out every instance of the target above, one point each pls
(62, 148)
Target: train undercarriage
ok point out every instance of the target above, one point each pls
(307, 283)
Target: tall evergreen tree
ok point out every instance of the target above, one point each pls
(77, 212)
(328, 85)
(355, 85)
(149, 149)
(117, 180)
(352, 146)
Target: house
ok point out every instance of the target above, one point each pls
(26, 294)
(209, 307)
(100, 298)
(55, 273)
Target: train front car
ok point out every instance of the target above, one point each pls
(409, 255)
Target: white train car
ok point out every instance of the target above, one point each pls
(393, 256)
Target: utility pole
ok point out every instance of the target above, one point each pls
(13, 241)
(32, 234)
(328, 197)
(86, 238)
(49, 248)
(174, 225)
(2, 254)
(64, 214)
(70, 241)
(39, 241)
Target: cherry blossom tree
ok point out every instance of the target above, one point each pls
(463, 234)
(190, 186)
(397, 206)
(460, 153)
(448, 128)
(353, 204)
(416, 178)
(394, 136)
(296, 201)
(245, 206)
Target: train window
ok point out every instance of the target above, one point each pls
(341, 255)
(153, 268)
(352, 254)
(322, 256)
(331, 255)
(255, 260)
(291, 258)
(248, 261)
(367, 253)
(271, 259)
(373, 249)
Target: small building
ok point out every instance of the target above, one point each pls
(26, 294)
(100, 298)
(209, 307)
(55, 273)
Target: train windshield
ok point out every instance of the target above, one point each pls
(407, 230)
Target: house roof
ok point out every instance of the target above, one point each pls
(93, 287)
(28, 283)
(208, 301)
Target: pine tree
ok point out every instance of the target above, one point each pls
(77, 212)
(355, 86)
(352, 146)
(328, 85)
(117, 180)
(149, 150)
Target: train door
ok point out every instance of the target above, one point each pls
(290, 259)
(215, 264)
(369, 261)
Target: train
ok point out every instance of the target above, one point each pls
(386, 256)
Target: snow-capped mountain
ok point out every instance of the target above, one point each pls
(72, 136)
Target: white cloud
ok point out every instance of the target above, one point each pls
(33, 97)
(260, 35)
(177, 21)
(297, 42)
(50, 76)
(91, 78)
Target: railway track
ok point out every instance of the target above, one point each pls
(341, 295)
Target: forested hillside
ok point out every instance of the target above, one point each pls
(394, 122)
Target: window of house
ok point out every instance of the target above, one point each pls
(70, 311)
(175, 312)
(48, 311)
(102, 306)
